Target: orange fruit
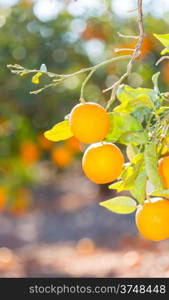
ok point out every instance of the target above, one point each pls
(147, 46)
(61, 156)
(89, 122)
(29, 152)
(74, 145)
(3, 197)
(165, 72)
(44, 143)
(102, 162)
(94, 31)
(152, 219)
(163, 169)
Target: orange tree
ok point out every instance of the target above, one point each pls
(134, 117)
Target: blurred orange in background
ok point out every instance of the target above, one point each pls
(61, 156)
(22, 202)
(147, 47)
(74, 145)
(94, 31)
(29, 152)
(3, 197)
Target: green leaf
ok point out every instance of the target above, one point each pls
(131, 171)
(160, 193)
(139, 189)
(59, 132)
(120, 124)
(164, 39)
(131, 151)
(151, 163)
(133, 99)
(136, 138)
(129, 174)
(120, 205)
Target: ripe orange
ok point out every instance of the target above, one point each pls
(61, 156)
(102, 162)
(29, 152)
(163, 169)
(44, 143)
(152, 219)
(89, 122)
(74, 145)
(3, 197)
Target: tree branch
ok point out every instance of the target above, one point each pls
(59, 78)
(135, 54)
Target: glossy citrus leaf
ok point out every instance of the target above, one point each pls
(59, 132)
(151, 163)
(136, 138)
(120, 124)
(160, 193)
(132, 99)
(131, 151)
(129, 174)
(120, 205)
(132, 170)
(139, 189)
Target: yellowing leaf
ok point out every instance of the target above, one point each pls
(59, 132)
(120, 205)
(165, 50)
(163, 38)
(119, 186)
(35, 78)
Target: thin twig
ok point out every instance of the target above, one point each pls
(132, 10)
(136, 53)
(82, 98)
(161, 59)
(123, 49)
(128, 36)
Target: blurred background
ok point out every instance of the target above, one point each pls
(51, 224)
